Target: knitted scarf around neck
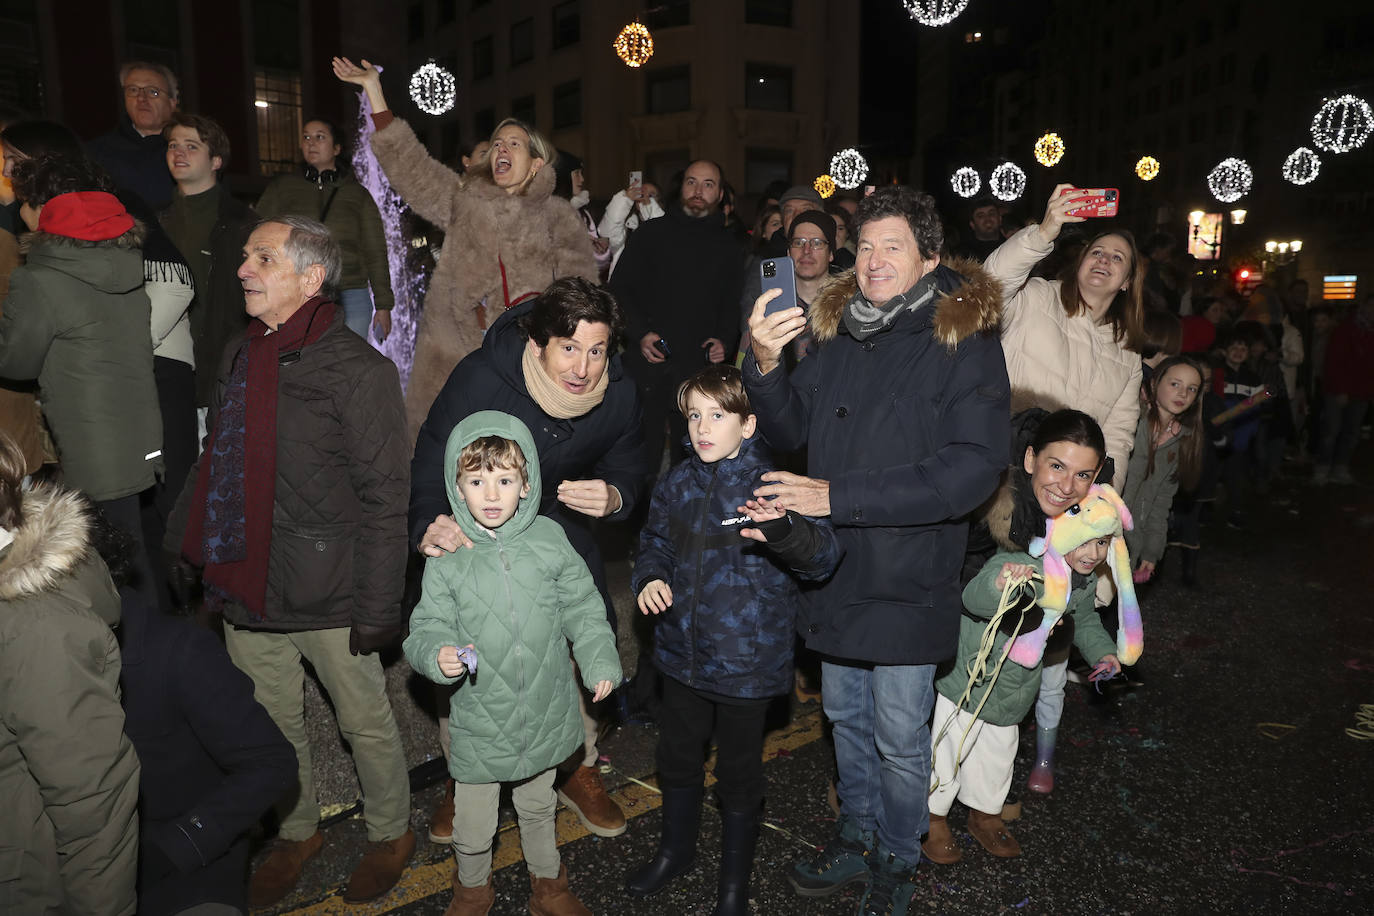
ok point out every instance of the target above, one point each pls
(863, 319)
(230, 526)
(554, 399)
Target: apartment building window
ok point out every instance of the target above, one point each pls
(448, 11)
(483, 123)
(1226, 70)
(768, 86)
(668, 90)
(567, 24)
(523, 109)
(483, 61)
(768, 12)
(1176, 90)
(277, 101)
(521, 41)
(663, 14)
(1152, 100)
(762, 167)
(415, 22)
(567, 104)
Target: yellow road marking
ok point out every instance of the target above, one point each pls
(634, 798)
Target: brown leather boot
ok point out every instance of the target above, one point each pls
(441, 822)
(380, 868)
(585, 794)
(551, 897)
(280, 871)
(471, 901)
(993, 835)
(940, 846)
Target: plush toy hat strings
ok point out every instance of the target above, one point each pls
(1100, 514)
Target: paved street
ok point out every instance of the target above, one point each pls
(1226, 784)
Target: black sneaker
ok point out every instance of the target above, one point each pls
(841, 861)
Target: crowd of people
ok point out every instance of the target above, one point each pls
(934, 476)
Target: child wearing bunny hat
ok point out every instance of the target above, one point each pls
(977, 724)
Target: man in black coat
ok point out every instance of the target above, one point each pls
(550, 362)
(678, 280)
(134, 152)
(903, 410)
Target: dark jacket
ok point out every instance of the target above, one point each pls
(217, 314)
(679, 277)
(602, 444)
(730, 628)
(77, 319)
(353, 221)
(338, 526)
(910, 429)
(213, 761)
(135, 162)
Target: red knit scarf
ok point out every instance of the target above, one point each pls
(229, 530)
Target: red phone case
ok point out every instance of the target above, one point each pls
(1101, 202)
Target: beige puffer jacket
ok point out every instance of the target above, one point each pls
(1055, 361)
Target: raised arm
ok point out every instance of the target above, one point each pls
(1014, 259)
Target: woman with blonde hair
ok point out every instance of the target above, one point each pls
(507, 236)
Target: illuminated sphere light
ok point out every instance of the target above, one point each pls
(849, 168)
(1230, 180)
(1147, 168)
(934, 12)
(1342, 124)
(825, 186)
(634, 45)
(433, 89)
(1302, 166)
(1007, 181)
(965, 182)
(1049, 149)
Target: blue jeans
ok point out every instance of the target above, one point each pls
(881, 716)
(357, 306)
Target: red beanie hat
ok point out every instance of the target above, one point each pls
(92, 216)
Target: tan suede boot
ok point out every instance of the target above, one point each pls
(471, 901)
(441, 821)
(551, 897)
(379, 869)
(279, 872)
(940, 846)
(993, 835)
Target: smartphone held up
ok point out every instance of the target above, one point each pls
(1095, 202)
(778, 273)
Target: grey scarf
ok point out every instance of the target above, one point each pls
(863, 319)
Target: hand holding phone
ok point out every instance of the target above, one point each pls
(778, 273)
(1097, 202)
(661, 346)
(635, 189)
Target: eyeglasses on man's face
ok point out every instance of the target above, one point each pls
(813, 244)
(151, 92)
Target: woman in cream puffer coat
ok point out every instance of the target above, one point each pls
(1072, 342)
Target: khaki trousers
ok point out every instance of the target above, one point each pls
(474, 826)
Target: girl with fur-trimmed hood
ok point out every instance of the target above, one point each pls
(507, 236)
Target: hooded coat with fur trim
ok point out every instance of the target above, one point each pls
(78, 320)
(68, 773)
(910, 429)
(499, 247)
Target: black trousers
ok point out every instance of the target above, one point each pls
(687, 719)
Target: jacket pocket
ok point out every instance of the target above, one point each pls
(314, 568)
(895, 565)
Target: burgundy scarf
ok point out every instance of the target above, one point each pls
(229, 530)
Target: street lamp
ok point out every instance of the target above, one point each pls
(1195, 218)
(1238, 217)
(1271, 246)
(1295, 246)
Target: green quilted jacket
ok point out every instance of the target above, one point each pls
(519, 595)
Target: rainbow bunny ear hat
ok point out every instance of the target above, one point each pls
(1100, 514)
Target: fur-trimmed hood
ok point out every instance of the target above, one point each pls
(969, 302)
(53, 540)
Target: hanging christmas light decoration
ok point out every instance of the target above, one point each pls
(1049, 149)
(965, 182)
(1302, 166)
(934, 12)
(1342, 124)
(849, 168)
(1146, 168)
(634, 45)
(825, 186)
(1230, 180)
(1007, 181)
(433, 89)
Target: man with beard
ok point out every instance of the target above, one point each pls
(678, 281)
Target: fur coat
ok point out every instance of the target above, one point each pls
(499, 248)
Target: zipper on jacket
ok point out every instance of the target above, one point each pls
(516, 647)
(700, 547)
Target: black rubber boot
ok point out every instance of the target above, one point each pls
(739, 833)
(677, 848)
(1189, 558)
